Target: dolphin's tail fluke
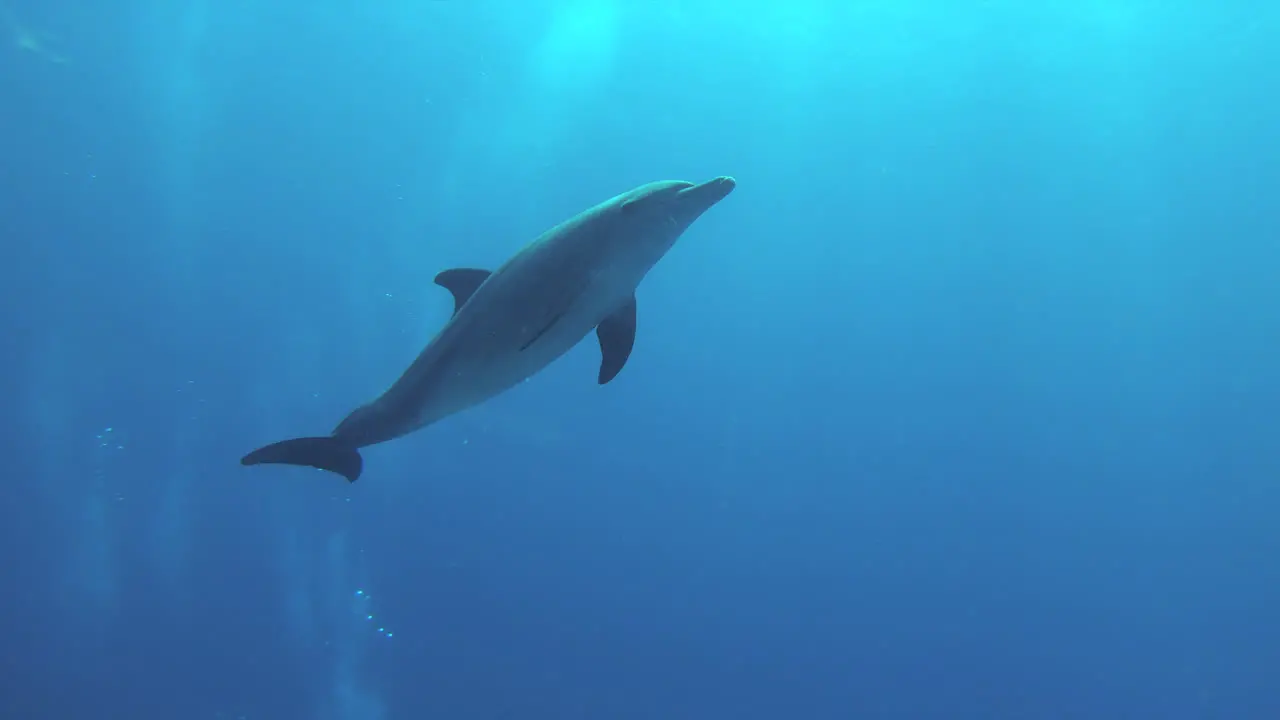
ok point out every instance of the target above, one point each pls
(325, 453)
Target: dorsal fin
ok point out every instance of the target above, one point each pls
(462, 282)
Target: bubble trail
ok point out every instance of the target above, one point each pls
(362, 596)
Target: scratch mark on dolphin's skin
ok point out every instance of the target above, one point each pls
(542, 332)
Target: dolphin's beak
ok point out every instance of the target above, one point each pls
(699, 198)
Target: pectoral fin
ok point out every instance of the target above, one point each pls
(617, 335)
(462, 282)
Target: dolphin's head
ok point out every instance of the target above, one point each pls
(652, 217)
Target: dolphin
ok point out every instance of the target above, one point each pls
(510, 323)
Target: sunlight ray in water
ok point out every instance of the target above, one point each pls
(27, 39)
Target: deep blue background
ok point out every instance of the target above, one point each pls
(962, 406)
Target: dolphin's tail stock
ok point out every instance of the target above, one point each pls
(325, 453)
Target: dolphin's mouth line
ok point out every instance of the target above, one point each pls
(707, 194)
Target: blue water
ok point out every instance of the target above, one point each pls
(962, 406)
